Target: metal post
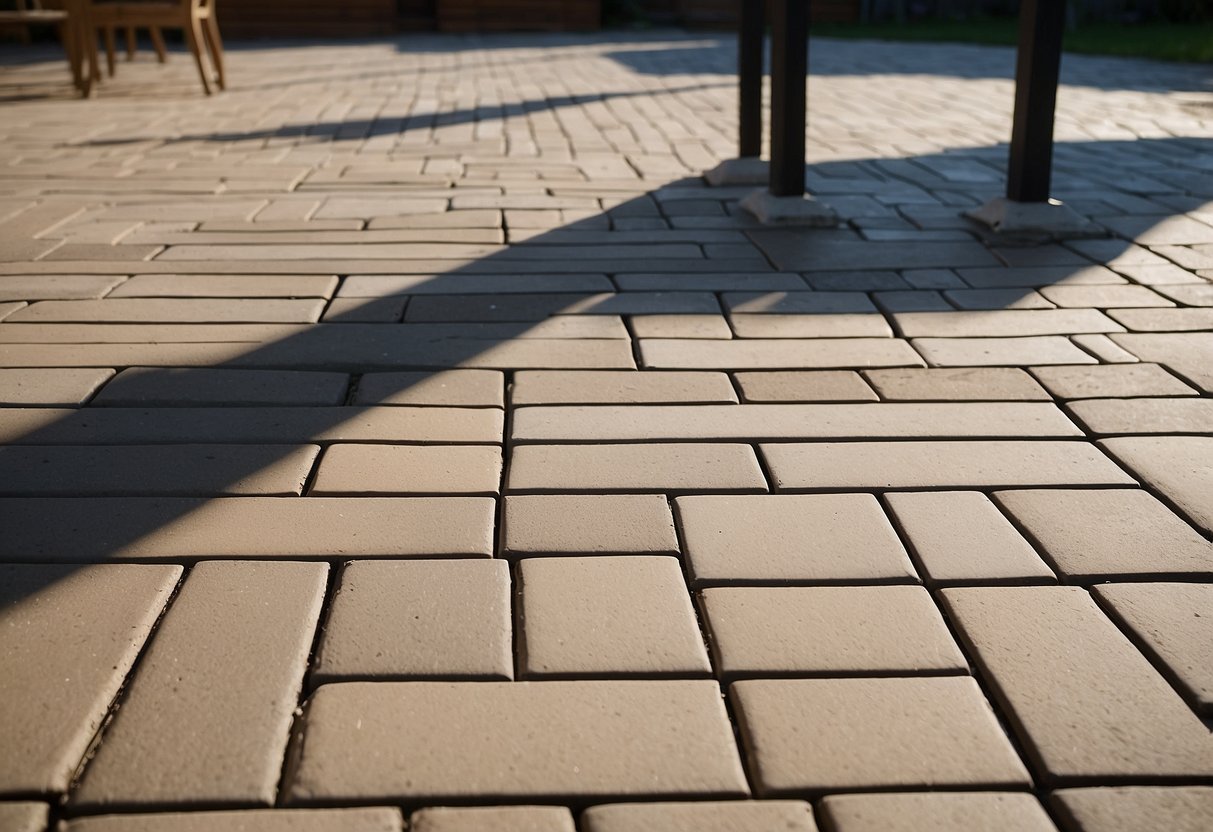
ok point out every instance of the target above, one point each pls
(1037, 73)
(789, 67)
(750, 36)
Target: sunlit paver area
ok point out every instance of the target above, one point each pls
(409, 436)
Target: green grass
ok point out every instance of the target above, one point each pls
(1161, 41)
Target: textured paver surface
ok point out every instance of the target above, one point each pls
(408, 437)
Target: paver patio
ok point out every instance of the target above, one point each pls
(408, 437)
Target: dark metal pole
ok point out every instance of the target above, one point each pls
(1037, 73)
(750, 36)
(789, 67)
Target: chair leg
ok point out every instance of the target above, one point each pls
(193, 37)
(216, 47)
(131, 43)
(110, 51)
(158, 44)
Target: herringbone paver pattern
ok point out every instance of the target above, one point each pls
(409, 436)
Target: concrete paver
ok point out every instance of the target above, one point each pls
(24, 817)
(706, 816)
(515, 740)
(485, 278)
(422, 619)
(970, 812)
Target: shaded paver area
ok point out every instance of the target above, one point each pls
(409, 436)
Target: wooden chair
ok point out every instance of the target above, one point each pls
(31, 13)
(195, 17)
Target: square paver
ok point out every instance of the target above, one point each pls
(784, 539)
(606, 616)
(422, 619)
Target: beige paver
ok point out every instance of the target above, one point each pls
(252, 425)
(206, 716)
(418, 619)
(498, 818)
(828, 631)
(623, 468)
(148, 470)
(90, 529)
(519, 740)
(1010, 323)
(809, 326)
(765, 422)
(971, 812)
(227, 286)
(960, 537)
(1173, 622)
(1103, 297)
(364, 310)
(172, 310)
(806, 386)
(57, 287)
(451, 388)
(606, 616)
(1096, 534)
(680, 326)
(1141, 416)
(573, 524)
(158, 387)
(705, 816)
(1001, 352)
(24, 817)
(1130, 808)
(255, 820)
(805, 736)
(607, 387)
(50, 387)
(1087, 706)
(763, 354)
(1117, 380)
(960, 384)
(858, 465)
(69, 637)
(418, 470)
(790, 539)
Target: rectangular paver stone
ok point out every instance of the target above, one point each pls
(1111, 380)
(1174, 623)
(452, 388)
(151, 470)
(852, 465)
(1096, 534)
(206, 717)
(1132, 808)
(368, 470)
(1085, 703)
(420, 619)
(1180, 467)
(907, 812)
(706, 816)
(828, 631)
(804, 386)
(766, 422)
(805, 736)
(24, 816)
(790, 539)
(90, 529)
(960, 537)
(635, 468)
(254, 820)
(1001, 352)
(986, 384)
(68, 637)
(574, 524)
(496, 818)
(175, 310)
(1142, 416)
(518, 740)
(159, 387)
(606, 616)
(624, 387)
(49, 387)
(777, 354)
